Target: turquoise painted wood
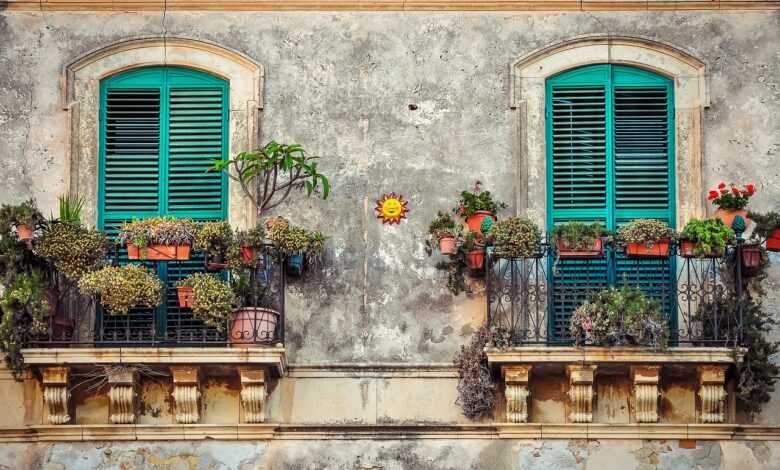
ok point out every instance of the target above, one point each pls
(610, 158)
(160, 130)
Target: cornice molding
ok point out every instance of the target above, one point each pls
(387, 5)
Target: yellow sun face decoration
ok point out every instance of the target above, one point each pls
(391, 208)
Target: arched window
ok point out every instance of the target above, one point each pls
(161, 128)
(610, 158)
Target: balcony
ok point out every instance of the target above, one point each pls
(530, 301)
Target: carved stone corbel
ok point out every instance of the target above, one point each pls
(646, 393)
(56, 396)
(186, 393)
(122, 396)
(712, 393)
(581, 392)
(516, 379)
(253, 393)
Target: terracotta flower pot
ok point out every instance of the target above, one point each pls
(727, 216)
(688, 247)
(595, 250)
(159, 252)
(215, 262)
(751, 256)
(475, 259)
(659, 249)
(447, 244)
(253, 325)
(248, 254)
(773, 242)
(24, 232)
(475, 221)
(186, 296)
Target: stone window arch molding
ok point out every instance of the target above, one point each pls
(527, 98)
(81, 98)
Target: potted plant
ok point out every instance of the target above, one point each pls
(731, 201)
(647, 238)
(476, 206)
(162, 238)
(25, 218)
(618, 317)
(579, 240)
(214, 239)
(516, 238)
(293, 242)
(72, 249)
(767, 228)
(316, 248)
(445, 231)
(705, 238)
(255, 319)
(121, 288)
(474, 251)
(250, 242)
(211, 298)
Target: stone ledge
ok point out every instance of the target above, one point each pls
(626, 355)
(191, 432)
(373, 370)
(274, 358)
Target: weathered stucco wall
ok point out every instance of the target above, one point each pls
(342, 85)
(396, 455)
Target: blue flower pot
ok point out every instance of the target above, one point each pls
(295, 264)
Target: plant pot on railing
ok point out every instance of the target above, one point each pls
(474, 222)
(688, 250)
(295, 264)
(248, 254)
(447, 244)
(656, 249)
(595, 250)
(215, 261)
(773, 241)
(186, 296)
(159, 252)
(24, 232)
(253, 325)
(751, 257)
(728, 215)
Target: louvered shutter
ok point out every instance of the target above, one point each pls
(161, 128)
(610, 159)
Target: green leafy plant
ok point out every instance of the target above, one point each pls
(710, 235)
(25, 308)
(645, 231)
(70, 208)
(213, 299)
(516, 237)
(477, 200)
(578, 236)
(72, 249)
(316, 249)
(26, 213)
(766, 223)
(214, 237)
(731, 198)
(162, 230)
(624, 316)
(122, 288)
(268, 175)
(443, 225)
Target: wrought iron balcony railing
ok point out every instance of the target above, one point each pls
(532, 298)
(80, 321)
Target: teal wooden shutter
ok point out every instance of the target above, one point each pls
(161, 127)
(610, 159)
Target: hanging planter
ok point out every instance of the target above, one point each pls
(476, 206)
(751, 257)
(727, 216)
(186, 296)
(253, 325)
(215, 261)
(475, 221)
(447, 245)
(475, 259)
(159, 252)
(773, 242)
(731, 201)
(295, 264)
(248, 254)
(24, 232)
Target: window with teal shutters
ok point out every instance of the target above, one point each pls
(160, 130)
(610, 158)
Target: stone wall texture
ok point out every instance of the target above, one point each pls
(342, 84)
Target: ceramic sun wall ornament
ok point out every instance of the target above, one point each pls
(391, 208)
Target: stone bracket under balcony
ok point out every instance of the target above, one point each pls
(182, 372)
(617, 385)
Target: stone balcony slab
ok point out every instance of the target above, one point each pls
(618, 355)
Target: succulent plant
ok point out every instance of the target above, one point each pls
(162, 230)
(122, 288)
(516, 237)
(214, 237)
(443, 225)
(645, 231)
(578, 235)
(26, 213)
(213, 299)
(72, 249)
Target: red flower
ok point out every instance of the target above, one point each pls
(724, 190)
(735, 190)
(750, 189)
(721, 185)
(713, 195)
